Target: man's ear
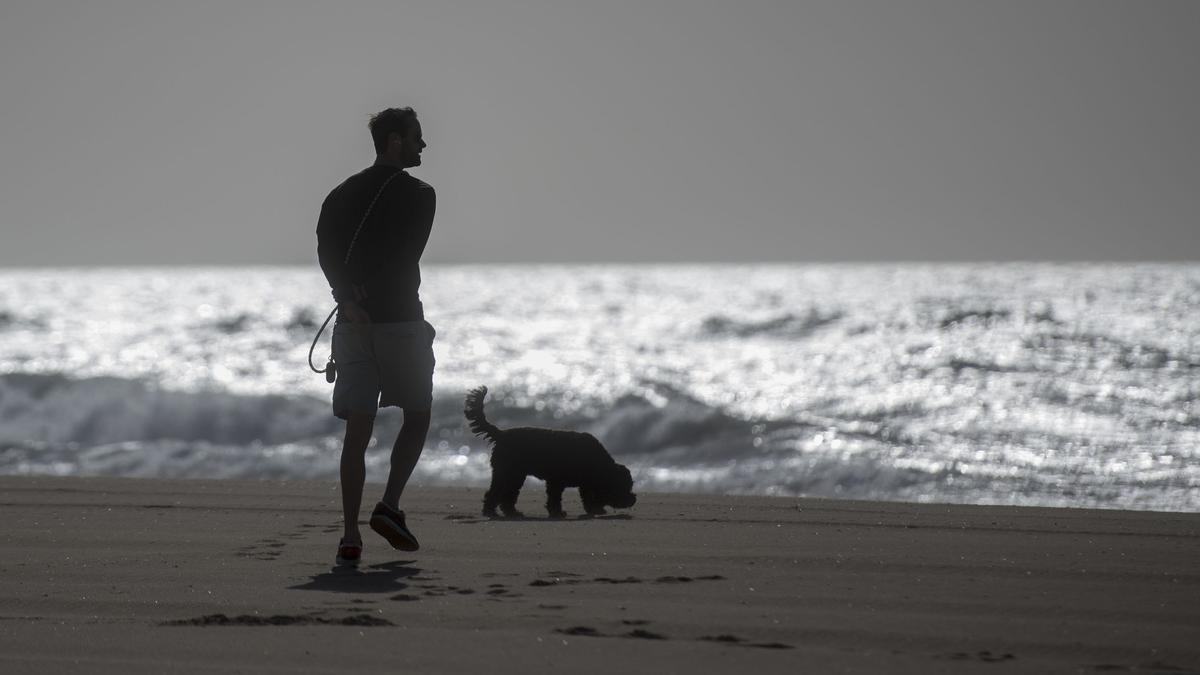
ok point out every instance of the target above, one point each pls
(395, 139)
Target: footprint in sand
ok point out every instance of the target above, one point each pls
(280, 620)
(580, 630)
(643, 634)
(267, 550)
(741, 642)
(684, 580)
(495, 591)
(588, 631)
(985, 656)
(500, 591)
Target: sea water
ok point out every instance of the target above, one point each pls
(1063, 385)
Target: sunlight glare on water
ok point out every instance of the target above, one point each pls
(1031, 384)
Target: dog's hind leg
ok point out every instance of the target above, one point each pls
(509, 503)
(554, 493)
(491, 501)
(503, 492)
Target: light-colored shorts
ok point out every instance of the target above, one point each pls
(383, 364)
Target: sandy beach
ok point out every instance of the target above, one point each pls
(126, 575)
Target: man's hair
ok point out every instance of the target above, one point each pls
(390, 121)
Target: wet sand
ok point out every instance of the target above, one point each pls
(124, 575)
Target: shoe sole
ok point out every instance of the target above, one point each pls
(386, 528)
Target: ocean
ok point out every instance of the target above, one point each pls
(1026, 384)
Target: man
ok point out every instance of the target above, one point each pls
(370, 237)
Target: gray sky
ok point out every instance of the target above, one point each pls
(209, 132)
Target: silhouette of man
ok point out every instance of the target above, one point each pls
(370, 237)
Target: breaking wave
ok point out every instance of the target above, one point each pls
(783, 326)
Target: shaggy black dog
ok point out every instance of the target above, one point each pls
(561, 458)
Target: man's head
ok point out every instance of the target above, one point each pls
(397, 136)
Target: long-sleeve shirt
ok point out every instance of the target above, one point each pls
(383, 273)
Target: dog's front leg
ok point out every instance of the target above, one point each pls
(591, 502)
(554, 492)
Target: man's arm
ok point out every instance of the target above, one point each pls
(332, 243)
(421, 221)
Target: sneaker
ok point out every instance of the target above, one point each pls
(349, 552)
(389, 523)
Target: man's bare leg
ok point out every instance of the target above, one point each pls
(409, 444)
(354, 469)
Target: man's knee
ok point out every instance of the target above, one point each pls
(416, 419)
(359, 427)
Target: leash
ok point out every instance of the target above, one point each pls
(330, 369)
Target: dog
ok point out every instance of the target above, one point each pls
(561, 458)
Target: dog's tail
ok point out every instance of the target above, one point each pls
(474, 412)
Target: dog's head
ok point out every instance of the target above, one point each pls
(617, 490)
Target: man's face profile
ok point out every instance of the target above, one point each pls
(409, 145)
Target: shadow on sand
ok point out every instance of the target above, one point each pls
(381, 578)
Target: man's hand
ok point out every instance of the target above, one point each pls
(353, 312)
